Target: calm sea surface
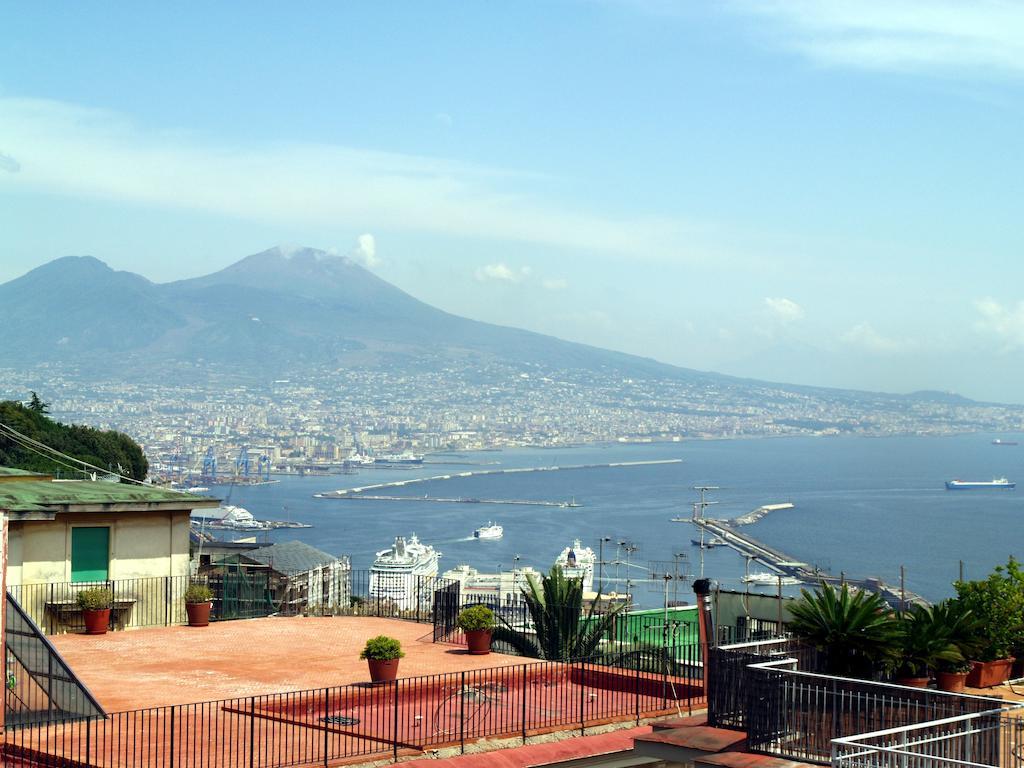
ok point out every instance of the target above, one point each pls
(863, 505)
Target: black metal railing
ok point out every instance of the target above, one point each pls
(796, 715)
(238, 594)
(317, 727)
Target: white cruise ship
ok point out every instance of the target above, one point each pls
(229, 517)
(396, 573)
(578, 562)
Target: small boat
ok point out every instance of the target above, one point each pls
(999, 484)
(714, 541)
(997, 441)
(489, 531)
(769, 579)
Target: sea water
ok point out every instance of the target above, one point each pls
(863, 506)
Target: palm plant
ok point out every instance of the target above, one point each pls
(856, 631)
(561, 630)
(926, 640)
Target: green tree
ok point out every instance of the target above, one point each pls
(856, 631)
(561, 631)
(926, 640)
(997, 604)
(37, 405)
(101, 448)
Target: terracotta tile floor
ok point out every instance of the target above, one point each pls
(178, 665)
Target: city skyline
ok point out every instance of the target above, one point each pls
(808, 193)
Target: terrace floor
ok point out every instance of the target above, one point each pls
(180, 665)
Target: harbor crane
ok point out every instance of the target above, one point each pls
(209, 464)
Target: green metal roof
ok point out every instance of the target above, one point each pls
(88, 495)
(12, 472)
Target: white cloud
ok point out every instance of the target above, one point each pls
(555, 284)
(863, 335)
(9, 164)
(366, 251)
(784, 310)
(984, 35)
(501, 272)
(1006, 323)
(94, 154)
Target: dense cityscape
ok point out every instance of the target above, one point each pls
(326, 416)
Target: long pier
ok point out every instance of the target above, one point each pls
(784, 565)
(440, 500)
(344, 493)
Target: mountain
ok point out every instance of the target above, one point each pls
(269, 314)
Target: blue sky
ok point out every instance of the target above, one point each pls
(815, 192)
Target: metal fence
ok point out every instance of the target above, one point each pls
(796, 715)
(730, 678)
(317, 727)
(991, 738)
(237, 594)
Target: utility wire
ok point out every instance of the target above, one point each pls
(28, 442)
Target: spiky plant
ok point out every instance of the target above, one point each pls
(925, 641)
(561, 631)
(855, 630)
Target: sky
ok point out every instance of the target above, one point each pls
(814, 191)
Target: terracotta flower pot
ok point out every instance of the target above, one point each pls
(382, 670)
(479, 641)
(96, 622)
(951, 682)
(198, 614)
(913, 682)
(985, 674)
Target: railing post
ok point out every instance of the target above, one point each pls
(522, 674)
(252, 731)
(171, 763)
(167, 601)
(583, 698)
(636, 685)
(462, 714)
(395, 715)
(327, 723)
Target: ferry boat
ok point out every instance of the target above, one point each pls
(228, 517)
(489, 531)
(769, 579)
(577, 562)
(999, 484)
(399, 458)
(997, 441)
(397, 573)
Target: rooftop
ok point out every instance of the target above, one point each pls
(291, 557)
(36, 493)
(229, 659)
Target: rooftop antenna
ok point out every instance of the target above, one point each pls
(698, 516)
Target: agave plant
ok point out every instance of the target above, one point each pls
(561, 630)
(856, 631)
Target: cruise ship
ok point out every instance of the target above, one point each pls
(228, 517)
(763, 578)
(577, 562)
(397, 575)
(999, 484)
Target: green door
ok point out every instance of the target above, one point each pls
(90, 554)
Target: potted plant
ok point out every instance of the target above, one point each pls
(477, 622)
(952, 675)
(925, 642)
(855, 631)
(95, 603)
(382, 654)
(997, 604)
(198, 602)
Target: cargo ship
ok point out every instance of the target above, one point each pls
(997, 441)
(1000, 484)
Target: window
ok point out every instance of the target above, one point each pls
(90, 554)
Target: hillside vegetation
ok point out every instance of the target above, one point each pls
(103, 448)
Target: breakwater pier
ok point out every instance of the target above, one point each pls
(348, 493)
(784, 565)
(442, 500)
